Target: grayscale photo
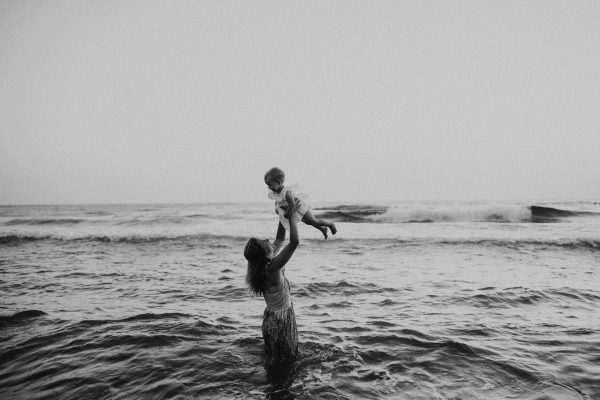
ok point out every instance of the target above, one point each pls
(227, 199)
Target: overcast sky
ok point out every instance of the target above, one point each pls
(193, 101)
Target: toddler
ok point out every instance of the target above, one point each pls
(290, 202)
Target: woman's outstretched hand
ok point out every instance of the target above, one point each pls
(290, 210)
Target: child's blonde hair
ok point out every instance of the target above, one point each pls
(275, 173)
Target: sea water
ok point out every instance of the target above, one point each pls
(422, 300)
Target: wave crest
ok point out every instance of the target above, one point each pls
(458, 213)
(9, 239)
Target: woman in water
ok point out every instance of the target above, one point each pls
(265, 276)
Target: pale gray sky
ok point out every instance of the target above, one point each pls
(192, 101)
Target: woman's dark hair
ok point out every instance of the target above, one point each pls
(257, 261)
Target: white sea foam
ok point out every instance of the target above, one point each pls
(455, 213)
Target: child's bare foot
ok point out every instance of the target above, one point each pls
(333, 228)
(323, 231)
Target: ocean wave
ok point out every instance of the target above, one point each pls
(394, 339)
(350, 213)
(459, 213)
(518, 297)
(20, 318)
(549, 214)
(15, 238)
(44, 221)
(348, 289)
(505, 213)
(585, 243)
(111, 220)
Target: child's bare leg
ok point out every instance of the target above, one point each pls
(323, 231)
(320, 224)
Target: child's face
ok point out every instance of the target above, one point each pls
(274, 185)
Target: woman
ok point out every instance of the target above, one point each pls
(265, 277)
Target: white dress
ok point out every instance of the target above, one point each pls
(281, 204)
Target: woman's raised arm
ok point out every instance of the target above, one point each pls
(279, 239)
(284, 256)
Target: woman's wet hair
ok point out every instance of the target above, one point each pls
(253, 249)
(257, 258)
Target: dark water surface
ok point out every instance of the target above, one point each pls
(379, 318)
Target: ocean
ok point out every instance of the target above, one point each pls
(410, 300)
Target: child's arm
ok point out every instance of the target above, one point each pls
(281, 232)
(289, 197)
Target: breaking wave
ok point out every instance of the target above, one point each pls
(449, 213)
